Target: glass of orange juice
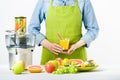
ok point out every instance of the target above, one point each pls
(64, 43)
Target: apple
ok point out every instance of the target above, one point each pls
(21, 62)
(50, 67)
(17, 68)
(59, 60)
(54, 62)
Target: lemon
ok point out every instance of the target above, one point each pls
(65, 62)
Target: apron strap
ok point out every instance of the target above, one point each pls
(75, 2)
(51, 2)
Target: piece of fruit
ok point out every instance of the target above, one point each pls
(34, 68)
(82, 65)
(77, 62)
(50, 67)
(59, 60)
(86, 63)
(17, 68)
(54, 62)
(66, 69)
(22, 62)
(65, 62)
(92, 63)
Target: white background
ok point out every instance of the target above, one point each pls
(104, 50)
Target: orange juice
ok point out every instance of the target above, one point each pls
(65, 44)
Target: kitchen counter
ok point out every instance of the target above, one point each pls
(101, 73)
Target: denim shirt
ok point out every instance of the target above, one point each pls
(86, 9)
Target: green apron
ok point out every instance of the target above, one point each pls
(67, 21)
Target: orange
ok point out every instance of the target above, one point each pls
(34, 68)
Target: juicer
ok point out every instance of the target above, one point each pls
(20, 47)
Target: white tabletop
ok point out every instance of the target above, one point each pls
(101, 73)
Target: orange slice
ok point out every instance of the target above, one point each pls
(34, 68)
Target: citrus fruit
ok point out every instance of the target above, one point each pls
(34, 68)
(76, 61)
(65, 62)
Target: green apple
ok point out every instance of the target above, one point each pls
(17, 68)
(54, 62)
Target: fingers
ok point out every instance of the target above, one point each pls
(71, 50)
(56, 53)
(55, 48)
(58, 47)
(64, 52)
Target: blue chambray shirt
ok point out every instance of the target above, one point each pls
(88, 18)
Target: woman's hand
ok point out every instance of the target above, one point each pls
(75, 46)
(56, 49)
(53, 47)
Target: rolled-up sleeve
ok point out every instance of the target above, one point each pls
(90, 23)
(34, 26)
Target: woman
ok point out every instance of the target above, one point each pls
(64, 17)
